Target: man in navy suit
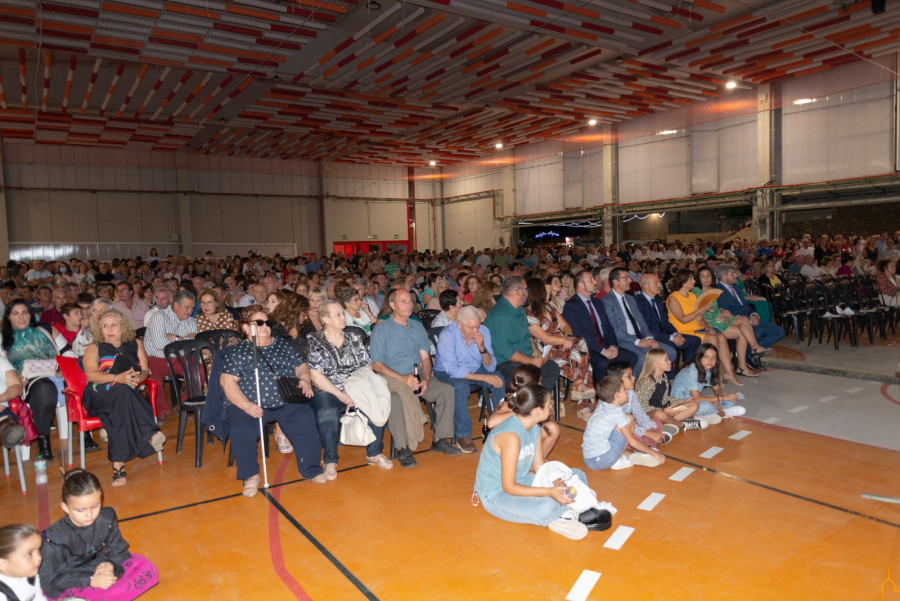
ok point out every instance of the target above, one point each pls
(627, 321)
(588, 319)
(732, 300)
(655, 315)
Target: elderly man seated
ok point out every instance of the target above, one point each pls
(465, 358)
(168, 325)
(399, 347)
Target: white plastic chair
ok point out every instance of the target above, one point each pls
(18, 465)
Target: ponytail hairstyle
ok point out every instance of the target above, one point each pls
(12, 535)
(79, 483)
(528, 398)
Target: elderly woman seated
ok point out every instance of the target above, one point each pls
(334, 355)
(887, 282)
(451, 303)
(356, 311)
(277, 357)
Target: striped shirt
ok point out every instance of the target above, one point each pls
(166, 322)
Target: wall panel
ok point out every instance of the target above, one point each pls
(120, 216)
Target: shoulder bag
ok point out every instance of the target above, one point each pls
(355, 430)
(288, 388)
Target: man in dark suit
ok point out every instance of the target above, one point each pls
(732, 300)
(655, 315)
(588, 319)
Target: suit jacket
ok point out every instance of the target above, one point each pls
(620, 320)
(729, 303)
(656, 317)
(582, 324)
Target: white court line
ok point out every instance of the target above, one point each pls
(740, 435)
(681, 474)
(652, 501)
(618, 538)
(583, 586)
(852, 390)
(772, 420)
(825, 399)
(711, 452)
(799, 409)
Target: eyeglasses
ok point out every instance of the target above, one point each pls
(525, 288)
(262, 322)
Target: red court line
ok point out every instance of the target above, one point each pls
(884, 393)
(275, 538)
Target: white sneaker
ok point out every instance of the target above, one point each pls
(671, 429)
(711, 418)
(569, 528)
(644, 459)
(621, 463)
(735, 411)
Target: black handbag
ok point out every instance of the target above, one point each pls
(288, 388)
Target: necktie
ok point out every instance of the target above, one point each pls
(596, 323)
(637, 330)
(658, 312)
(734, 294)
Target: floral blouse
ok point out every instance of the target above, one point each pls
(225, 321)
(337, 364)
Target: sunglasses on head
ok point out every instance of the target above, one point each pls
(262, 322)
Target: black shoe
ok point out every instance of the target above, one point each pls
(89, 444)
(442, 446)
(405, 457)
(596, 519)
(44, 451)
(756, 364)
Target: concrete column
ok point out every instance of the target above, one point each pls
(611, 188)
(508, 205)
(183, 205)
(4, 222)
(768, 136)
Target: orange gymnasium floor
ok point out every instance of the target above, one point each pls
(776, 513)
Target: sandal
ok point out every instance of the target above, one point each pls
(731, 378)
(331, 471)
(381, 461)
(762, 352)
(284, 445)
(251, 486)
(119, 476)
(745, 372)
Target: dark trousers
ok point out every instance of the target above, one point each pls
(298, 422)
(690, 346)
(549, 373)
(462, 388)
(42, 398)
(328, 410)
(599, 363)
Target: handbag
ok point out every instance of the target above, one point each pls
(288, 388)
(355, 430)
(39, 368)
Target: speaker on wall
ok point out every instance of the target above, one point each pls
(878, 6)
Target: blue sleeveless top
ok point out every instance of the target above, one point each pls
(488, 477)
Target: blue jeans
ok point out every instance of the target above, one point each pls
(707, 408)
(328, 410)
(539, 511)
(617, 444)
(462, 388)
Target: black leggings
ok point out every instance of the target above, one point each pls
(41, 398)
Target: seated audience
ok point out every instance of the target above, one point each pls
(887, 282)
(52, 315)
(655, 315)
(71, 313)
(451, 303)
(130, 306)
(701, 374)
(170, 325)
(524, 375)
(652, 391)
(732, 300)
(213, 315)
(356, 312)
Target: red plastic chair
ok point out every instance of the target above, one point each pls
(76, 380)
(18, 454)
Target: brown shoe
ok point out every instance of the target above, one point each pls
(465, 444)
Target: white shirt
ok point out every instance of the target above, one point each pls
(37, 275)
(166, 322)
(807, 251)
(810, 271)
(625, 312)
(23, 590)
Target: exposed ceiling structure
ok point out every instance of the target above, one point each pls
(387, 82)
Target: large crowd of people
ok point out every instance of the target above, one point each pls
(630, 330)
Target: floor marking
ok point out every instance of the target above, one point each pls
(825, 399)
(681, 474)
(652, 501)
(618, 538)
(767, 487)
(740, 435)
(799, 409)
(275, 548)
(583, 586)
(852, 390)
(772, 420)
(711, 452)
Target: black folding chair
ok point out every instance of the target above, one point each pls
(188, 355)
(219, 339)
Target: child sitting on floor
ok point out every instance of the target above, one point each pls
(650, 431)
(703, 373)
(20, 559)
(84, 554)
(609, 431)
(652, 391)
(524, 375)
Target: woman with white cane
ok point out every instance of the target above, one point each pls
(242, 379)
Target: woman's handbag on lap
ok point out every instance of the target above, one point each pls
(355, 430)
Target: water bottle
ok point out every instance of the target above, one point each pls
(40, 471)
(570, 492)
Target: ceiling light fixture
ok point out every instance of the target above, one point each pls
(276, 79)
(804, 101)
(498, 145)
(592, 122)
(667, 132)
(373, 5)
(432, 163)
(731, 85)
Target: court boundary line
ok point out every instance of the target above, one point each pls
(771, 488)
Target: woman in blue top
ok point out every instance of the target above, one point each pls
(512, 449)
(703, 373)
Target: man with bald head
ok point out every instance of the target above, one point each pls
(653, 310)
(465, 358)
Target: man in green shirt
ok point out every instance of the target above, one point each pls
(510, 336)
(392, 267)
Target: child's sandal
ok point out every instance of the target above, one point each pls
(119, 476)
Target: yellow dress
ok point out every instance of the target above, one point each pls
(688, 304)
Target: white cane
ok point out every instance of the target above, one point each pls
(259, 402)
